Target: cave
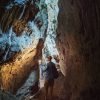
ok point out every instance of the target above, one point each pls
(68, 30)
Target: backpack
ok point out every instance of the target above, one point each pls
(55, 72)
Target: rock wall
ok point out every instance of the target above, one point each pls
(22, 24)
(78, 44)
(14, 74)
(7, 96)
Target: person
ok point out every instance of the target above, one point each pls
(49, 77)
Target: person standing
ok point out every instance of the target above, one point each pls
(49, 77)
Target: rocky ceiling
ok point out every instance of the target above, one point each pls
(17, 15)
(23, 22)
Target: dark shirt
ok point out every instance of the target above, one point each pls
(48, 72)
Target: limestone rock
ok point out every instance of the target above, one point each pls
(78, 42)
(7, 96)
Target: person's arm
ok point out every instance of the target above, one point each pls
(54, 65)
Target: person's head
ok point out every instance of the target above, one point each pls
(49, 58)
(40, 62)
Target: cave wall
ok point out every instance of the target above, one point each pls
(23, 24)
(78, 45)
(13, 75)
(7, 96)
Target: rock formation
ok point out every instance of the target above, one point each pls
(78, 41)
(7, 96)
(23, 31)
(15, 74)
(26, 25)
(20, 41)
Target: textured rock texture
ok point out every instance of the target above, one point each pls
(78, 42)
(22, 24)
(17, 16)
(7, 96)
(21, 40)
(24, 27)
(15, 74)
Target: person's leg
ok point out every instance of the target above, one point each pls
(51, 92)
(46, 93)
(46, 90)
(51, 88)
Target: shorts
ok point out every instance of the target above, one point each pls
(49, 83)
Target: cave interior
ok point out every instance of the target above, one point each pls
(68, 30)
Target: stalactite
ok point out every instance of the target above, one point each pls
(20, 17)
(13, 14)
(4, 19)
(9, 45)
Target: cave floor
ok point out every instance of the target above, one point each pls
(58, 90)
